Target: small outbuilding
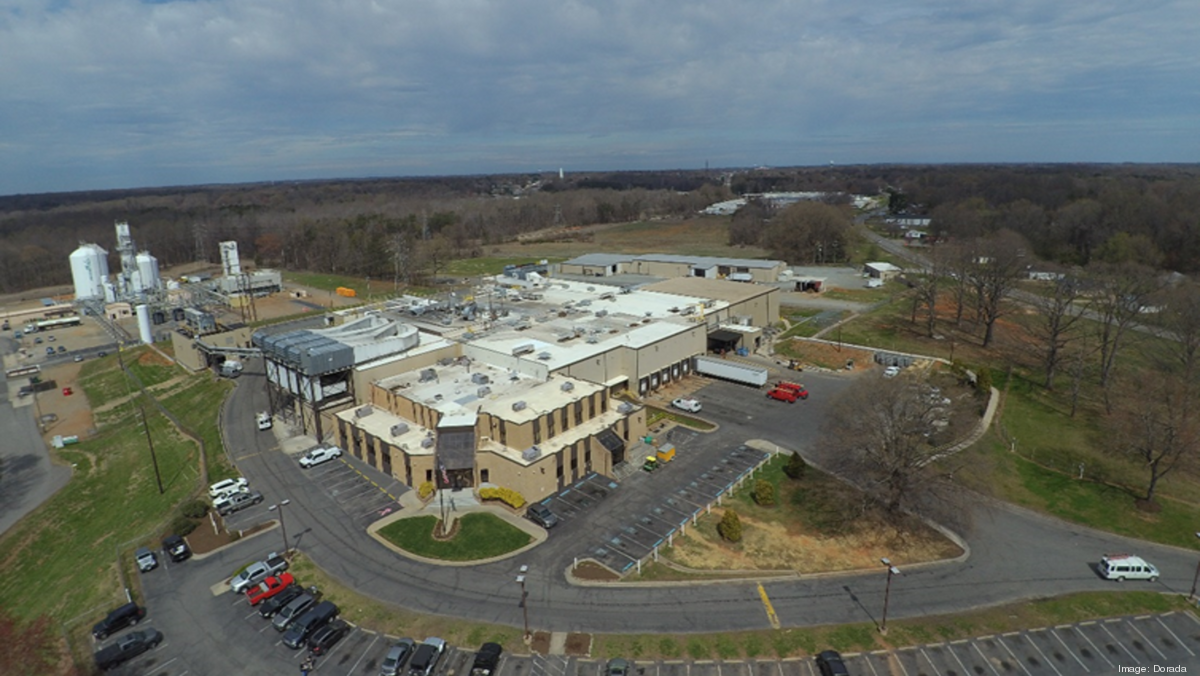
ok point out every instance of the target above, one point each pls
(884, 271)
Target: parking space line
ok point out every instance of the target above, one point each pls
(1176, 637)
(364, 655)
(1097, 650)
(1114, 638)
(957, 658)
(985, 658)
(1068, 649)
(1194, 618)
(1000, 640)
(1148, 641)
(1044, 658)
(927, 659)
(867, 659)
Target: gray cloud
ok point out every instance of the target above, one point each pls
(112, 93)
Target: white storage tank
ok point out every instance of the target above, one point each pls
(143, 320)
(147, 266)
(89, 269)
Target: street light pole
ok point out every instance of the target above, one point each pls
(282, 527)
(524, 600)
(887, 592)
(1195, 578)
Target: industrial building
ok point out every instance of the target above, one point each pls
(515, 384)
(669, 265)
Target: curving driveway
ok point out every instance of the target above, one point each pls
(1015, 554)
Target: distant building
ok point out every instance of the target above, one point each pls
(670, 266)
(884, 271)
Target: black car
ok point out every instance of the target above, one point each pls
(176, 548)
(830, 663)
(125, 616)
(486, 659)
(326, 637)
(128, 647)
(313, 619)
(273, 604)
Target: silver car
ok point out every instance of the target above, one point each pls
(397, 655)
(293, 610)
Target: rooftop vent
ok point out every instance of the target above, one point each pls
(427, 375)
(592, 340)
(480, 378)
(544, 356)
(483, 391)
(608, 295)
(445, 361)
(524, 348)
(531, 453)
(601, 313)
(568, 386)
(399, 429)
(624, 407)
(427, 442)
(518, 406)
(363, 412)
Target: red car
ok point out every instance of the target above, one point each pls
(784, 394)
(798, 389)
(268, 588)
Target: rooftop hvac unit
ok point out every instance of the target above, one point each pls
(585, 302)
(363, 412)
(518, 406)
(427, 442)
(592, 340)
(483, 391)
(601, 313)
(691, 309)
(544, 356)
(445, 361)
(568, 386)
(625, 407)
(608, 295)
(531, 453)
(480, 378)
(524, 348)
(709, 303)
(399, 429)
(427, 375)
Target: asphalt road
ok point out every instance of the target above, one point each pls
(1015, 554)
(27, 477)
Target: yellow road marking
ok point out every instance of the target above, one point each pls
(774, 619)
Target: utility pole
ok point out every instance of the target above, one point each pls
(524, 600)
(887, 592)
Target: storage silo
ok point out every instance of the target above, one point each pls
(89, 268)
(143, 320)
(147, 265)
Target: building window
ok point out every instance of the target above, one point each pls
(604, 401)
(503, 434)
(537, 430)
(565, 424)
(578, 413)
(429, 475)
(550, 425)
(484, 476)
(591, 407)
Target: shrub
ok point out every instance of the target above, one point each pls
(506, 495)
(730, 526)
(983, 380)
(425, 490)
(181, 525)
(194, 509)
(764, 493)
(795, 468)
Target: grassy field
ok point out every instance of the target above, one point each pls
(480, 536)
(67, 559)
(655, 414)
(700, 236)
(489, 265)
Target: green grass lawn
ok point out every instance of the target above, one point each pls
(655, 414)
(480, 536)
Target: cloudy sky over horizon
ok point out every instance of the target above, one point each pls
(119, 93)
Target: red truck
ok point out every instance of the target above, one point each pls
(789, 392)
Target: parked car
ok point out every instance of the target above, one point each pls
(617, 667)
(783, 394)
(51, 338)
(176, 548)
(227, 486)
(541, 515)
(37, 341)
(263, 420)
(271, 606)
(50, 351)
(268, 588)
(319, 455)
(257, 572)
(62, 348)
(426, 656)
(290, 612)
(1121, 567)
(124, 616)
(486, 659)
(396, 656)
(236, 502)
(891, 372)
(313, 619)
(326, 637)
(78, 357)
(127, 647)
(830, 663)
(689, 405)
(146, 560)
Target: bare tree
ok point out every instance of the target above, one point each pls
(1121, 292)
(927, 287)
(1181, 320)
(1056, 323)
(1156, 426)
(998, 263)
(880, 433)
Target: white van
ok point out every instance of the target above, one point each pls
(1121, 567)
(227, 487)
(264, 420)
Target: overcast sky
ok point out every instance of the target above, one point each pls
(116, 93)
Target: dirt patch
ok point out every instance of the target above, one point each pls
(540, 642)
(590, 570)
(823, 355)
(579, 645)
(73, 410)
(204, 539)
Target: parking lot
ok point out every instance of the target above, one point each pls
(363, 493)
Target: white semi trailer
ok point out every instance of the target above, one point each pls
(728, 369)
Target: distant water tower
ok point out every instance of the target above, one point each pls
(89, 270)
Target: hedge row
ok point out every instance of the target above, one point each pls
(507, 495)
